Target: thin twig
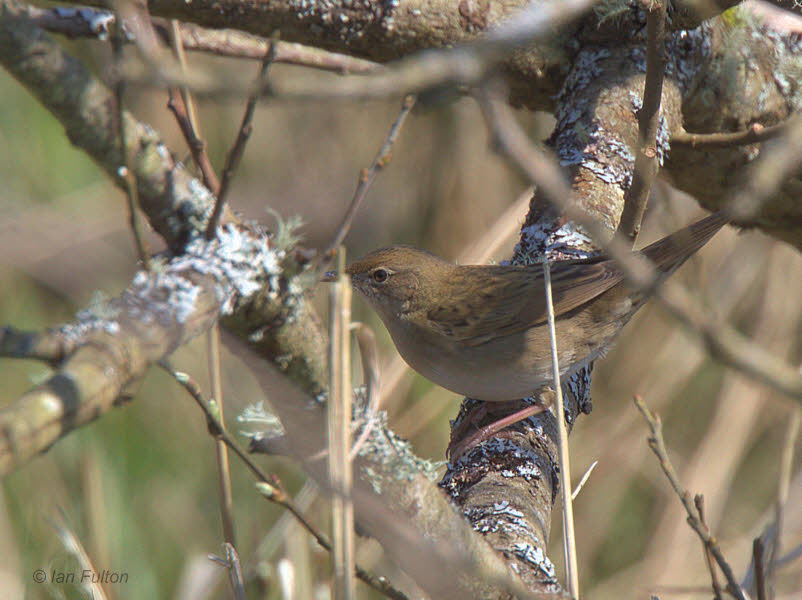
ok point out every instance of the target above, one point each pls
(657, 444)
(197, 147)
(268, 486)
(760, 573)
(755, 134)
(181, 105)
(699, 502)
(646, 162)
(367, 176)
(126, 171)
(213, 335)
(238, 44)
(569, 539)
(235, 154)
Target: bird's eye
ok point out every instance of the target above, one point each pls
(380, 275)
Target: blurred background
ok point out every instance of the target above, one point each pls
(138, 487)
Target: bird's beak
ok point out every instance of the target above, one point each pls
(329, 276)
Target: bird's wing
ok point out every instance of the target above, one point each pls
(504, 300)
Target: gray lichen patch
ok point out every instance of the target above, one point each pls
(387, 458)
(100, 315)
(243, 262)
(347, 19)
(541, 241)
(536, 557)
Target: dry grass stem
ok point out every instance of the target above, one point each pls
(369, 354)
(569, 538)
(584, 480)
(73, 546)
(339, 434)
(235, 572)
(783, 486)
(221, 451)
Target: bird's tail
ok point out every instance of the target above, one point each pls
(670, 252)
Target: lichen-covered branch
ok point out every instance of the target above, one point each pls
(385, 31)
(114, 343)
(176, 204)
(740, 73)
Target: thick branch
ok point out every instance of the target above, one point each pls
(113, 350)
(386, 31)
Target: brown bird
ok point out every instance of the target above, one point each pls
(481, 330)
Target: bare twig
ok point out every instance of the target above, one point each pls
(699, 502)
(269, 486)
(569, 539)
(235, 154)
(760, 573)
(646, 161)
(465, 64)
(238, 44)
(657, 445)
(777, 162)
(182, 106)
(755, 134)
(126, 172)
(367, 176)
(197, 147)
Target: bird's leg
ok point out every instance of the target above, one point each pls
(458, 448)
(472, 419)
